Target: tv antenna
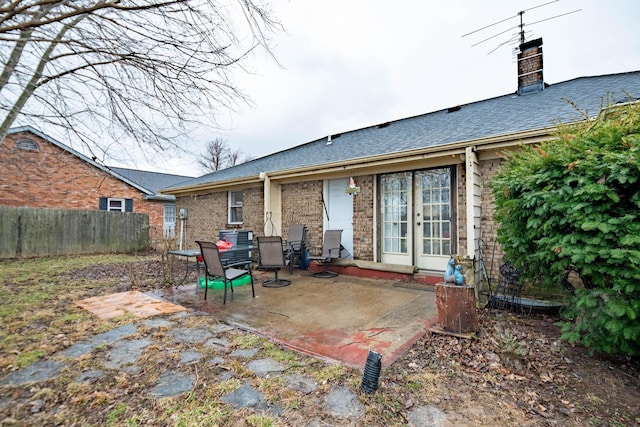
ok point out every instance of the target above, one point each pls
(521, 33)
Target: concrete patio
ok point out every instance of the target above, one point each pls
(340, 319)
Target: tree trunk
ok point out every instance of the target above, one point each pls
(456, 308)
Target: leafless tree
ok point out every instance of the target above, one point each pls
(219, 156)
(110, 71)
(237, 156)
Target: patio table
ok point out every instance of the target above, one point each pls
(195, 253)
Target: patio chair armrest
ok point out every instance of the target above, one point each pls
(332, 251)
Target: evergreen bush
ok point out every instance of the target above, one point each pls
(574, 204)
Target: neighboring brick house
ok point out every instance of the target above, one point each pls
(423, 192)
(40, 172)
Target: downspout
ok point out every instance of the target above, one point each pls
(474, 211)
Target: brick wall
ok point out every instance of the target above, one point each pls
(302, 204)
(364, 204)
(54, 178)
(208, 215)
(493, 256)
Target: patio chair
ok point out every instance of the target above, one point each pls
(214, 269)
(331, 249)
(296, 245)
(272, 257)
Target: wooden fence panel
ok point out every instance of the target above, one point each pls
(33, 232)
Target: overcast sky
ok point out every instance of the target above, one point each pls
(348, 64)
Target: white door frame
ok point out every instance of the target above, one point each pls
(339, 208)
(402, 226)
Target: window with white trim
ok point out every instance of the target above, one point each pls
(169, 225)
(235, 207)
(115, 205)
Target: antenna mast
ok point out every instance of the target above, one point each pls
(520, 26)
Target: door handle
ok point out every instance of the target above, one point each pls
(418, 223)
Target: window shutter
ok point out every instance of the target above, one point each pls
(102, 204)
(128, 205)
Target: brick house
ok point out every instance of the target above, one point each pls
(422, 180)
(40, 172)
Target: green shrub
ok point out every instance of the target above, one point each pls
(574, 203)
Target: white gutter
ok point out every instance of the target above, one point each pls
(375, 162)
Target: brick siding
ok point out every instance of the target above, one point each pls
(302, 204)
(208, 215)
(493, 256)
(54, 178)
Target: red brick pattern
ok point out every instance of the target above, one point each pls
(54, 178)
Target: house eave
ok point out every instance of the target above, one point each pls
(159, 197)
(401, 160)
(187, 190)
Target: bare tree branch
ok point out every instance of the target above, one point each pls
(125, 71)
(219, 155)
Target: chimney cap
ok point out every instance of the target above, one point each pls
(531, 43)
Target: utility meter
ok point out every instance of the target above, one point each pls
(184, 214)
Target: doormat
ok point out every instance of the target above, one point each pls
(414, 285)
(134, 302)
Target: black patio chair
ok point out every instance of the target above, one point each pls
(214, 268)
(331, 249)
(296, 245)
(272, 257)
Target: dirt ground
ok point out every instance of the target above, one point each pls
(515, 372)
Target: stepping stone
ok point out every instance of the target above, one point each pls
(190, 335)
(247, 397)
(129, 302)
(300, 383)
(216, 361)
(125, 353)
(262, 367)
(220, 328)
(190, 356)
(173, 383)
(182, 315)
(222, 343)
(38, 371)
(426, 416)
(247, 353)
(85, 347)
(342, 403)
(88, 376)
(157, 323)
(226, 375)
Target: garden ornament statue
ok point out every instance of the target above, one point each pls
(449, 271)
(458, 276)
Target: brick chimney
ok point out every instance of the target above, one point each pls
(530, 77)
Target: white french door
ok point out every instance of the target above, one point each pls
(416, 218)
(433, 221)
(396, 218)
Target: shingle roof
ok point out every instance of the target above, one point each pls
(153, 181)
(502, 115)
(149, 183)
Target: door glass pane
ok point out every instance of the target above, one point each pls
(395, 212)
(436, 207)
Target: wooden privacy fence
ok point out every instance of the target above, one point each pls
(32, 232)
